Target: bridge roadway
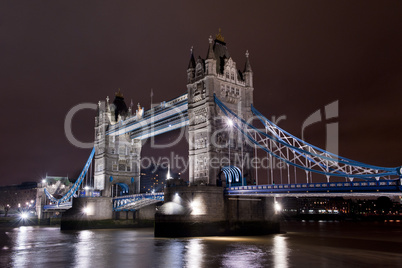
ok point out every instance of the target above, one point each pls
(330, 189)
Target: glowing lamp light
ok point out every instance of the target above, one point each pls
(43, 181)
(230, 122)
(197, 208)
(277, 207)
(24, 215)
(86, 210)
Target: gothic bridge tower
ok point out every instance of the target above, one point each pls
(117, 157)
(212, 142)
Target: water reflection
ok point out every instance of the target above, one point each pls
(280, 251)
(21, 258)
(83, 248)
(194, 253)
(244, 255)
(168, 253)
(314, 244)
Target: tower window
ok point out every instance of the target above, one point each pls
(232, 76)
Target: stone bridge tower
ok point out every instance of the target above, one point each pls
(212, 143)
(117, 157)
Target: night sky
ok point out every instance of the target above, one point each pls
(304, 55)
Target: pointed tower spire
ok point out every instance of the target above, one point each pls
(191, 64)
(211, 54)
(219, 36)
(191, 67)
(248, 73)
(119, 94)
(247, 67)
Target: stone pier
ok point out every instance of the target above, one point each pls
(205, 211)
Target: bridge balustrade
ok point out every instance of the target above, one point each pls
(341, 187)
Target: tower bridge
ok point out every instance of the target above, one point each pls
(218, 110)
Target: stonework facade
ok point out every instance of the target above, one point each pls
(209, 135)
(117, 157)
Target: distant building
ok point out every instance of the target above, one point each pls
(18, 197)
(154, 178)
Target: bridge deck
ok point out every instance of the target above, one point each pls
(320, 189)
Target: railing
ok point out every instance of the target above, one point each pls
(335, 187)
(133, 202)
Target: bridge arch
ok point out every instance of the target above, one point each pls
(233, 176)
(119, 189)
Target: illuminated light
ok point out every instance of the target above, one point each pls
(43, 181)
(86, 188)
(277, 207)
(197, 208)
(176, 194)
(230, 122)
(86, 210)
(32, 201)
(24, 215)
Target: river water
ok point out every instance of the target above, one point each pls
(305, 244)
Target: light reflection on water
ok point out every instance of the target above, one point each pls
(194, 253)
(305, 246)
(280, 252)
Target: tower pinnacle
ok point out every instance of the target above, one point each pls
(219, 36)
(211, 54)
(247, 67)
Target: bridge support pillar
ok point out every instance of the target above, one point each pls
(88, 213)
(206, 211)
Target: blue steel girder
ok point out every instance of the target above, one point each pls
(72, 191)
(137, 201)
(295, 152)
(163, 118)
(377, 188)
